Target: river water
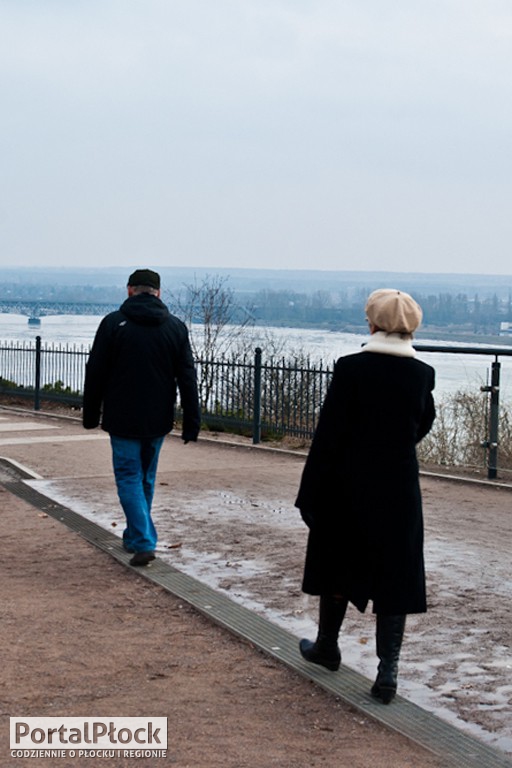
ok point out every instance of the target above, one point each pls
(453, 371)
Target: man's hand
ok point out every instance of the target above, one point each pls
(91, 423)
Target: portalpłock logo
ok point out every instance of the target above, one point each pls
(88, 737)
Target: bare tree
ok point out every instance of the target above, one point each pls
(215, 319)
(217, 323)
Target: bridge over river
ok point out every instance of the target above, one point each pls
(35, 310)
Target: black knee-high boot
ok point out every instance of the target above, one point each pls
(390, 632)
(324, 650)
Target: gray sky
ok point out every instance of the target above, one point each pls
(330, 134)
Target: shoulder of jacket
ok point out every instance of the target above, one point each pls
(347, 361)
(109, 324)
(426, 367)
(114, 318)
(176, 323)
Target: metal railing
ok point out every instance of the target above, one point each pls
(37, 371)
(263, 398)
(491, 442)
(275, 397)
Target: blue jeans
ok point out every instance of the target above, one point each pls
(135, 463)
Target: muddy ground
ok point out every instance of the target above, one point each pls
(225, 515)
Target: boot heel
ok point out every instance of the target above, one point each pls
(385, 693)
(328, 658)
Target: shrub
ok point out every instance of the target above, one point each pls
(460, 428)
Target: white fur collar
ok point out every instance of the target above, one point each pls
(390, 344)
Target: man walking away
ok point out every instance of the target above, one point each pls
(140, 357)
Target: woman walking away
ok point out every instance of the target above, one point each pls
(360, 495)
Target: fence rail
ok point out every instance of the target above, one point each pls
(274, 397)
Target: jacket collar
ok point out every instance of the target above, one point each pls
(390, 344)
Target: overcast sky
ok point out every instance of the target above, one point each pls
(325, 134)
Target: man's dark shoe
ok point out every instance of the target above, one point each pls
(142, 558)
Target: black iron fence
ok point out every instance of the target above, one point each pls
(262, 398)
(271, 398)
(38, 371)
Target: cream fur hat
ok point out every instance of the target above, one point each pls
(393, 311)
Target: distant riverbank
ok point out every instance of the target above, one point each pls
(448, 333)
(454, 371)
(81, 329)
(463, 337)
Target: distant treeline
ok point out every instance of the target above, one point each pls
(68, 293)
(336, 309)
(339, 310)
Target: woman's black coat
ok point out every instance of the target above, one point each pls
(360, 492)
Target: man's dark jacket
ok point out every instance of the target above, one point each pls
(140, 356)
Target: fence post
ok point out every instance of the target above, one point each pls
(492, 467)
(256, 427)
(37, 390)
(494, 413)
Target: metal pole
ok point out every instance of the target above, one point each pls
(494, 412)
(256, 428)
(37, 392)
(492, 468)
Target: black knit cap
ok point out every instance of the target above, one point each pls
(145, 277)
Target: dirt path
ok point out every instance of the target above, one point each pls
(83, 635)
(226, 516)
